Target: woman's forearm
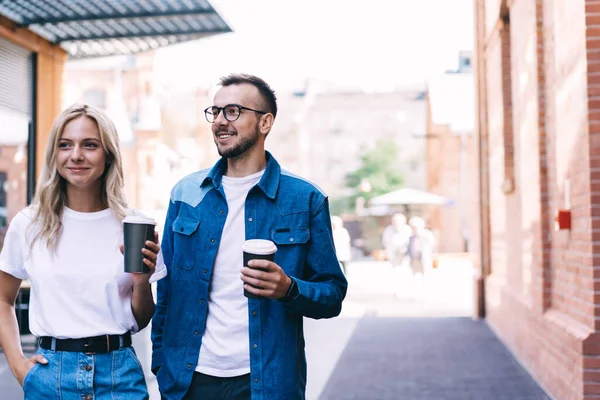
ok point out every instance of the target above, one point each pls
(10, 339)
(142, 304)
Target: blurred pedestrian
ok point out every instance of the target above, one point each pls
(395, 239)
(83, 306)
(420, 250)
(341, 239)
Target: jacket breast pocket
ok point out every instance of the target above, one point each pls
(185, 242)
(291, 248)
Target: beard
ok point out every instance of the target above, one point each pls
(244, 144)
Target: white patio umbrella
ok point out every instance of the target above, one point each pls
(408, 196)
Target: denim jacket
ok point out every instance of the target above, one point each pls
(282, 207)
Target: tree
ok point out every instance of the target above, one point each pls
(379, 168)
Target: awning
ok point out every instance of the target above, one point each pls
(91, 28)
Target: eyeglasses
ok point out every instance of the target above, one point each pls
(231, 112)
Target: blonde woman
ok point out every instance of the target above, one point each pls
(83, 306)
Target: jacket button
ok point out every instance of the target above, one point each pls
(254, 346)
(212, 240)
(255, 380)
(250, 219)
(196, 333)
(189, 365)
(291, 239)
(254, 312)
(205, 271)
(202, 301)
(222, 211)
(88, 368)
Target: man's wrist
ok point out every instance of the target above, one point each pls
(292, 291)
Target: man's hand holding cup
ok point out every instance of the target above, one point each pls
(261, 276)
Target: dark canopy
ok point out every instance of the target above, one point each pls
(91, 28)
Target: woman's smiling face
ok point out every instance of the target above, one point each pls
(80, 157)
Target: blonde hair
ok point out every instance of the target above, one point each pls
(51, 197)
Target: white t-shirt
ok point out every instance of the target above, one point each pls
(225, 348)
(81, 290)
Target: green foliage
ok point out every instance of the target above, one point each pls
(380, 168)
(341, 205)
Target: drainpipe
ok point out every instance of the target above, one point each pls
(479, 281)
(463, 191)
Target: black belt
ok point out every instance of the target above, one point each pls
(91, 345)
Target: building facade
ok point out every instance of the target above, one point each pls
(538, 76)
(321, 133)
(452, 159)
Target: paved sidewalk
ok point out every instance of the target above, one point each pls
(453, 358)
(419, 342)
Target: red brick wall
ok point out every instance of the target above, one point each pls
(539, 99)
(443, 178)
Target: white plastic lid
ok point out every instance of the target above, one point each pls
(259, 246)
(138, 219)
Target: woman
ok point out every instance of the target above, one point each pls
(83, 307)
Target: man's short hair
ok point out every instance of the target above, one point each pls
(263, 87)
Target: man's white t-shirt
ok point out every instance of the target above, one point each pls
(81, 290)
(225, 348)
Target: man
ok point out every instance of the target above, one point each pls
(395, 239)
(209, 341)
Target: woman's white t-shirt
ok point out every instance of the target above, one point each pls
(81, 290)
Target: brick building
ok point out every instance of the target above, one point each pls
(452, 159)
(538, 69)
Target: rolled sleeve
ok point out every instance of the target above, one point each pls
(161, 269)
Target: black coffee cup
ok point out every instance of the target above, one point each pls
(136, 230)
(257, 249)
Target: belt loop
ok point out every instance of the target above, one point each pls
(53, 344)
(120, 342)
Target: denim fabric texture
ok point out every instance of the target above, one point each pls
(282, 207)
(116, 375)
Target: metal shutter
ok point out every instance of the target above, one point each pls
(16, 77)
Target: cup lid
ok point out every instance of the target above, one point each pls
(138, 219)
(259, 246)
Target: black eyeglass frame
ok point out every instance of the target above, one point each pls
(208, 111)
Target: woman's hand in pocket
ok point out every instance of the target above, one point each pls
(22, 369)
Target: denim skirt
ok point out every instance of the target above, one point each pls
(116, 375)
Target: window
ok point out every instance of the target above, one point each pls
(509, 145)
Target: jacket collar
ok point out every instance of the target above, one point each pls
(269, 183)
